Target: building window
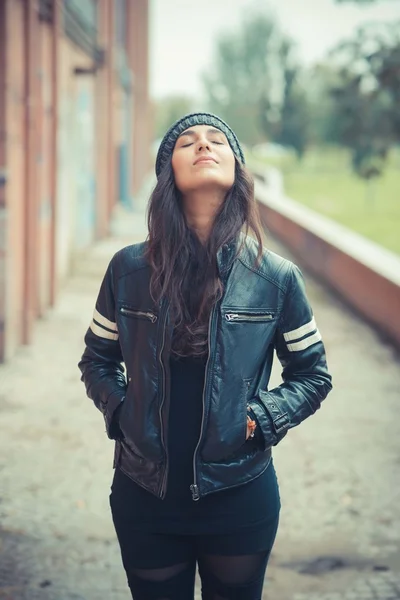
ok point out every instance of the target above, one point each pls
(85, 11)
(120, 22)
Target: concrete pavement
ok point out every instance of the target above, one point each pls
(339, 536)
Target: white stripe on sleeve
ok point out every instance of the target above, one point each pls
(303, 344)
(295, 334)
(103, 321)
(103, 332)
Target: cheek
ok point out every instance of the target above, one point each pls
(229, 171)
(175, 163)
(178, 167)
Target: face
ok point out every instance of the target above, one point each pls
(203, 159)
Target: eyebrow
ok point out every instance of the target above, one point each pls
(193, 133)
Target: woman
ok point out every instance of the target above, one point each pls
(195, 314)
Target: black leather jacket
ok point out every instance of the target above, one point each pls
(264, 307)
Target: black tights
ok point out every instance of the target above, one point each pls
(222, 578)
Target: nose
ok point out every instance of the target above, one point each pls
(203, 144)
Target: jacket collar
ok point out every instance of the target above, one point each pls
(226, 255)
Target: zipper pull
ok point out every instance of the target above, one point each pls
(195, 492)
(230, 316)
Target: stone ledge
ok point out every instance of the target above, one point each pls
(364, 274)
(372, 255)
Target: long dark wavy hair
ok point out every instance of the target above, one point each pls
(184, 270)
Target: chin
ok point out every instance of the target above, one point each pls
(210, 180)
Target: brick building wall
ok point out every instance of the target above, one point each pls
(63, 163)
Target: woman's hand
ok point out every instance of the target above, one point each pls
(251, 426)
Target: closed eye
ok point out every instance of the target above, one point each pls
(187, 145)
(219, 143)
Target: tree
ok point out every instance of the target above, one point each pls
(321, 105)
(293, 127)
(254, 84)
(367, 95)
(382, 54)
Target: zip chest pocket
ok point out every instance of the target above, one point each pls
(138, 314)
(247, 317)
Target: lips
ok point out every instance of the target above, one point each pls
(204, 159)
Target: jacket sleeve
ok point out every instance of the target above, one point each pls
(101, 363)
(306, 381)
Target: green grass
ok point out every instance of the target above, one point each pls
(325, 182)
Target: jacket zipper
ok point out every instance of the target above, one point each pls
(248, 317)
(165, 475)
(139, 313)
(194, 488)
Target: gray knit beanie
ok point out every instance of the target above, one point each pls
(169, 140)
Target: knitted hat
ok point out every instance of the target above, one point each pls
(169, 140)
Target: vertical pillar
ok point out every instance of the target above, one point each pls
(110, 91)
(104, 107)
(102, 124)
(3, 173)
(30, 191)
(41, 242)
(55, 37)
(138, 56)
(13, 143)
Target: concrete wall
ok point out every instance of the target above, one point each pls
(366, 275)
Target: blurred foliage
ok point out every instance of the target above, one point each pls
(367, 94)
(258, 86)
(321, 106)
(254, 85)
(326, 182)
(168, 110)
(351, 100)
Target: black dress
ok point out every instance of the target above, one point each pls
(250, 507)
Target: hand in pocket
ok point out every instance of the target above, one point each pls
(251, 427)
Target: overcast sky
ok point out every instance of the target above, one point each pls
(183, 33)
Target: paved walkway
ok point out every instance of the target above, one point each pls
(339, 472)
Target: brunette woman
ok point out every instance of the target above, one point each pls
(194, 314)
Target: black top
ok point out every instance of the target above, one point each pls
(246, 506)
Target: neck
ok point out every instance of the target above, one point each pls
(201, 210)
